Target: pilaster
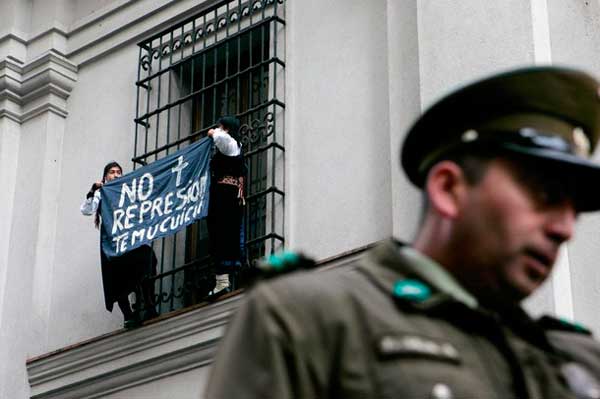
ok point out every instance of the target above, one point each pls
(33, 109)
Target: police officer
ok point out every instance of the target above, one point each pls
(504, 167)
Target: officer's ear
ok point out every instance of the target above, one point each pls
(446, 189)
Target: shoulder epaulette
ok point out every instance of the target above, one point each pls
(561, 324)
(283, 263)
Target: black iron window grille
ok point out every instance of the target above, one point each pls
(227, 60)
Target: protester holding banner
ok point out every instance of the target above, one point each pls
(226, 200)
(126, 273)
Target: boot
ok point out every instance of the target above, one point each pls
(131, 318)
(223, 285)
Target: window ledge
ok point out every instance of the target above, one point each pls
(127, 358)
(169, 345)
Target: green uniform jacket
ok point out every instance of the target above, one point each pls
(393, 325)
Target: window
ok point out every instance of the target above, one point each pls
(227, 60)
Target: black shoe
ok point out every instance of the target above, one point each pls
(223, 291)
(132, 321)
(216, 295)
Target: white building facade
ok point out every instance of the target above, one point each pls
(326, 90)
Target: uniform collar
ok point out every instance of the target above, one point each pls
(392, 262)
(437, 275)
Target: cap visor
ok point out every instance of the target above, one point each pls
(578, 174)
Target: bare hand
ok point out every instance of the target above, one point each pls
(97, 185)
(210, 132)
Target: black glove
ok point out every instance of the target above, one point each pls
(90, 193)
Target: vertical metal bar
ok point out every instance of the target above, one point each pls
(274, 56)
(227, 59)
(273, 169)
(174, 237)
(261, 70)
(202, 116)
(180, 105)
(158, 94)
(264, 156)
(250, 65)
(214, 113)
(181, 72)
(238, 99)
(178, 145)
(169, 71)
(202, 95)
(282, 135)
(182, 43)
(273, 31)
(137, 107)
(149, 84)
(194, 36)
(239, 57)
(173, 260)
(203, 78)
(193, 62)
(204, 33)
(273, 149)
(148, 89)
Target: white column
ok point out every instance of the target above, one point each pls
(561, 285)
(404, 106)
(541, 32)
(561, 278)
(9, 148)
(33, 109)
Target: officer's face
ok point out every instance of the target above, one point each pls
(512, 223)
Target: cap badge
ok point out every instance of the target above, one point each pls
(469, 135)
(581, 143)
(441, 391)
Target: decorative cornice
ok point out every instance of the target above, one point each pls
(43, 84)
(41, 109)
(110, 28)
(10, 115)
(61, 30)
(114, 7)
(132, 22)
(13, 36)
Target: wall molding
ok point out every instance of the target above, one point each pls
(135, 22)
(108, 29)
(42, 85)
(13, 36)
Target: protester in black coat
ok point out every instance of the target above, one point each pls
(127, 273)
(226, 201)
